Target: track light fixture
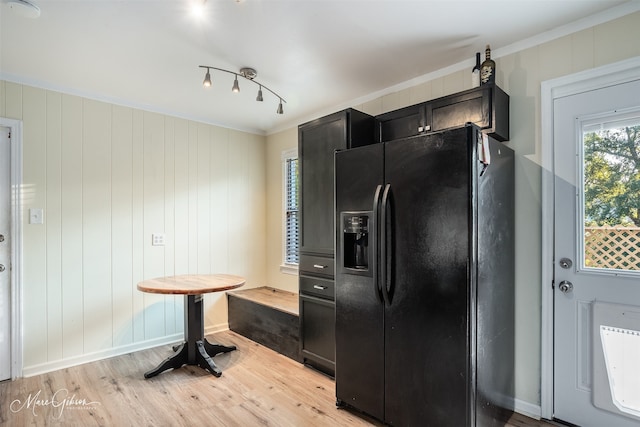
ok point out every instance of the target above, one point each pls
(249, 74)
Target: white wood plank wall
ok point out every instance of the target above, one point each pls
(108, 177)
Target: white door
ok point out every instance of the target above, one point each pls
(5, 255)
(597, 257)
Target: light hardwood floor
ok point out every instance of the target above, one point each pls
(258, 387)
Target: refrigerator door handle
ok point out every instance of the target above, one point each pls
(376, 237)
(384, 255)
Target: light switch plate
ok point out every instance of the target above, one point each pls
(36, 216)
(157, 239)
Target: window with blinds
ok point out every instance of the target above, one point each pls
(292, 216)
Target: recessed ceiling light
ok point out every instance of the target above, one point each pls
(198, 8)
(24, 8)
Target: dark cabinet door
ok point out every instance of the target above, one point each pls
(456, 110)
(318, 332)
(402, 123)
(487, 107)
(317, 143)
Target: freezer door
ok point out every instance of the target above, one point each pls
(359, 311)
(427, 245)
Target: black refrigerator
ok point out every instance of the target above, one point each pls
(424, 280)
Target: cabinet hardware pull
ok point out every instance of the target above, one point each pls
(319, 266)
(322, 288)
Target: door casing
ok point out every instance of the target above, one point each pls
(616, 73)
(16, 239)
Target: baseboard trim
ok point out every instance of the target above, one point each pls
(216, 328)
(43, 368)
(528, 409)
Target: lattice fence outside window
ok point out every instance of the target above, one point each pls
(612, 247)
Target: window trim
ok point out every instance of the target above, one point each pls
(286, 267)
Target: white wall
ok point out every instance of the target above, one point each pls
(108, 177)
(520, 75)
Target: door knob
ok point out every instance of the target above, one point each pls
(565, 286)
(2, 268)
(1, 237)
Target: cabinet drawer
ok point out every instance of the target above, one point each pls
(317, 265)
(322, 288)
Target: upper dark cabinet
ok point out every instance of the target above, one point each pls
(486, 106)
(402, 123)
(317, 142)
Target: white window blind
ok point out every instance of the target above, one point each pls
(292, 220)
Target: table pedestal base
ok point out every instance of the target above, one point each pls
(204, 351)
(196, 350)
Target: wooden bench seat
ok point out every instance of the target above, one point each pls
(267, 316)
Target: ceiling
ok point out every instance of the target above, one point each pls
(319, 55)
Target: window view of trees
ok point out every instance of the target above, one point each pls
(612, 198)
(612, 177)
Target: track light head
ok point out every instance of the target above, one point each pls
(280, 110)
(236, 86)
(207, 79)
(259, 97)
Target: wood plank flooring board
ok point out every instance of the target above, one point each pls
(258, 387)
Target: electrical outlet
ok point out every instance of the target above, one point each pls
(157, 239)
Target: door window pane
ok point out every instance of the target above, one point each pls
(611, 193)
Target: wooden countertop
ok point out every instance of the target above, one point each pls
(191, 284)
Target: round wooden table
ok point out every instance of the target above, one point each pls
(196, 350)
